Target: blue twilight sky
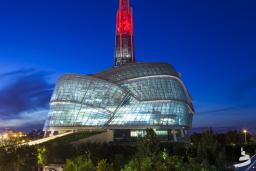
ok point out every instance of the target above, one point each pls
(211, 42)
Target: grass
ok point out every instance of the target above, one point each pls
(73, 137)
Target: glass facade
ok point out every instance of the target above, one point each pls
(124, 49)
(142, 133)
(127, 98)
(152, 95)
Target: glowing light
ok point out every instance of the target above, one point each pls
(5, 136)
(245, 138)
(124, 32)
(124, 21)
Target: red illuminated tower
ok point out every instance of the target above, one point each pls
(124, 49)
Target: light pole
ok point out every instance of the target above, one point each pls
(245, 138)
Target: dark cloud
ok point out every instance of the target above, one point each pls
(217, 110)
(28, 91)
(25, 127)
(31, 125)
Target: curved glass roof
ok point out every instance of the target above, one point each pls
(137, 95)
(129, 71)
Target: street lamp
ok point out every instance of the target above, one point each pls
(245, 138)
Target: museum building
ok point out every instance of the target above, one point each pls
(127, 98)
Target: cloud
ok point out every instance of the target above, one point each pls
(22, 71)
(26, 120)
(229, 117)
(217, 110)
(23, 94)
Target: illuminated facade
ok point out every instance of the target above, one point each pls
(127, 98)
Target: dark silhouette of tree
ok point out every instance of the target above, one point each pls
(80, 163)
(209, 150)
(103, 165)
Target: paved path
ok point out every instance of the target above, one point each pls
(251, 167)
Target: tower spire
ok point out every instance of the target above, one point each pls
(124, 4)
(124, 49)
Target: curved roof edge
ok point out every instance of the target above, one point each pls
(128, 71)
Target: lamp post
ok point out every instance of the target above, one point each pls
(245, 138)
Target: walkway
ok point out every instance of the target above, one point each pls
(251, 167)
(43, 140)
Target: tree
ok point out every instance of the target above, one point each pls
(148, 153)
(144, 164)
(148, 145)
(26, 158)
(210, 151)
(234, 137)
(70, 166)
(104, 166)
(42, 155)
(220, 159)
(81, 163)
(6, 160)
(131, 166)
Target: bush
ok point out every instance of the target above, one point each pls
(104, 166)
(81, 163)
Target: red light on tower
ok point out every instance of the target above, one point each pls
(124, 22)
(124, 51)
